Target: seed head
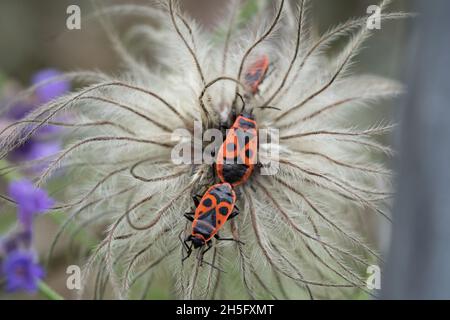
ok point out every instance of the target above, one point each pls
(303, 227)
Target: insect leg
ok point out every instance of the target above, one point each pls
(184, 241)
(213, 266)
(187, 247)
(234, 213)
(196, 199)
(207, 249)
(189, 216)
(202, 253)
(227, 239)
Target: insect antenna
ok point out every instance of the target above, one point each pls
(184, 246)
(200, 259)
(212, 266)
(210, 275)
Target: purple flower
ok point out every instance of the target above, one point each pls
(16, 240)
(22, 152)
(51, 90)
(21, 271)
(43, 149)
(19, 110)
(30, 201)
(40, 150)
(39, 145)
(35, 149)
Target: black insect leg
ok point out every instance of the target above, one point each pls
(187, 247)
(234, 213)
(203, 251)
(202, 254)
(227, 239)
(189, 216)
(196, 199)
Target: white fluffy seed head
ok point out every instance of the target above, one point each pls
(303, 228)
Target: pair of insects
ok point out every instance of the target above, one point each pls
(234, 165)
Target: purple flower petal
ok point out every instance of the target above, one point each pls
(49, 129)
(40, 150)
(44, 149)
(52, 89)
(15, 241)
(22, 152)
(30, 201)
(33, 149)
(21, 271)
(19, 110)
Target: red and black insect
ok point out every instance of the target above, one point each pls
(212, 211)
(237, 157)
(256, 73)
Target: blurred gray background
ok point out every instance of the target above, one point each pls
(33, 34)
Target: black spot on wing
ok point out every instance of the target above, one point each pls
(206, 223)
(207, 202)
(223, 193)
(223, 211)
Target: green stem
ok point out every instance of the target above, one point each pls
(48, 292)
